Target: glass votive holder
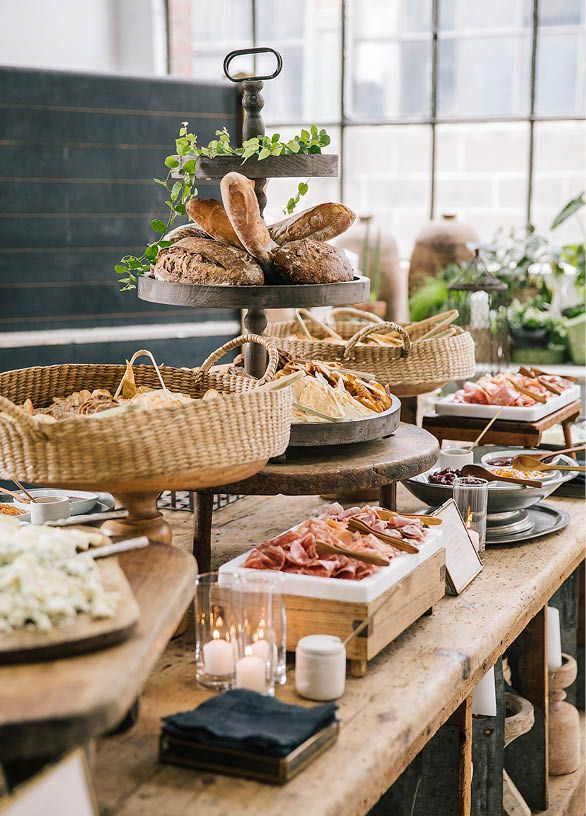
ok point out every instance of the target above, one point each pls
(471, 499)
(256, 654)
(274, 580)
(215, 632)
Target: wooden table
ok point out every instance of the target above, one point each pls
(47, 707)
(504, 431)
(413, 687)
(375, 465)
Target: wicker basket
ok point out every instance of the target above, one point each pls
(248, 424)
(426, 355)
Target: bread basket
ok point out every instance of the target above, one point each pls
(157, 447)
(424, 356)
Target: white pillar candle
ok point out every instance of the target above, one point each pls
(261, 648)
(554, 638)
(484, 696)
(218, 658)
(251, 672)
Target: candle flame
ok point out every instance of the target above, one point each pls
(219, 621)
(216, 634)
(248, 650)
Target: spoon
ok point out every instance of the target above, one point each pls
(531, 463)
(483, 473)
(11, 493)
(358, 526)
(549, 454)
(322, 548)
(427, 521)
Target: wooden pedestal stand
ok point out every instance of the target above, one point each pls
(564, 721)
(503, 431)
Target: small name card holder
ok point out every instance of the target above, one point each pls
(463, 563)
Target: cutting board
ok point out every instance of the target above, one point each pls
(85, 634)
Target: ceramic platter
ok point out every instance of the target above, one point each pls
(305, 434)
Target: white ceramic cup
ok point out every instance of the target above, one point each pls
(49, 508)
(455, 458)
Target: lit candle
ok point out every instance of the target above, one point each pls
(484, 696)
(554, 639)
(218, 658)
(261, 648)
(251, 672)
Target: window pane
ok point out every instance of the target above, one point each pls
(560, 58)
(388, 61)
(558, 175)
(484, 56)
(279, 191)
(387, 171)
(481, 174)
(217, 29)
(308, 35)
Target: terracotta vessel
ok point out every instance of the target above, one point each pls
(564, 721)
(440, 243)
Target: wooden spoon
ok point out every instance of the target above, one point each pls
(549, 454)
(483, 473)
(358, 526)
(427, 521)
(14, 495)
(531, 463)
(323, 548)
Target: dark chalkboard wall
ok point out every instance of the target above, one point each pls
(78, 153)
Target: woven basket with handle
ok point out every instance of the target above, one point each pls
(425, 356)
(248, 423)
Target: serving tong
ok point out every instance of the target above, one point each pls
(358, 526)
(323, 548)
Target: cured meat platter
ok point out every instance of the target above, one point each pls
(449, 406)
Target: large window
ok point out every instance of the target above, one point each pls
(474, 108)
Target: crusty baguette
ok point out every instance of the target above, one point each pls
(321, 223)
(199, 260)
(210, 215)
(309, 261)
(244, 214)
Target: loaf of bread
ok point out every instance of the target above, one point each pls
(185, 231)
(309, 261)
(199, 260)
(243, 211)
(210, 215)
(321, 223)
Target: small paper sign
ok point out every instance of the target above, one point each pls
(463, 563)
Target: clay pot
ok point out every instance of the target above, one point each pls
(439, 243)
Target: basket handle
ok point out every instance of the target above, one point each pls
(133, 359)
(375, 327)
(20, 415)
(348, 311)
(301, 315)
(216, 355)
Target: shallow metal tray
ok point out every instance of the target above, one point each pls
(316, 434)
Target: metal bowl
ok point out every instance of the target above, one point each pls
(365, 429)
(502, 497)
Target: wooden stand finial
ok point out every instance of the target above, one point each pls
(564, 720)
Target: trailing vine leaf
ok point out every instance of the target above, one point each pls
(568, 210)
(302, 189)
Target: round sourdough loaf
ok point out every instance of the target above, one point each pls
(199, 260)
(309, 261)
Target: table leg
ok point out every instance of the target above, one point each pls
(388, 496)
(203, 503)
(567, 429)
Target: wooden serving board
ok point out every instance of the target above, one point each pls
(85, 635)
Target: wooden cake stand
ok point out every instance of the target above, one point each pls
(306, 471)
(503, 431)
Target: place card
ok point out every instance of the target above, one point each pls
(463, 563)
(64, 787)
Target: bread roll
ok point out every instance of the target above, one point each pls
(321, 223)
(199, 260)
(309, 261)
(244, 214)
(210, 215)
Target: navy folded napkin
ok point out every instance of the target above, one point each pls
(247, 721)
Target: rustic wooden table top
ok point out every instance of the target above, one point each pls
(47, 707)
(411, 688)
(306, 471)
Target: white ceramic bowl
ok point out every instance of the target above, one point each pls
(488, 460)
(79, 501)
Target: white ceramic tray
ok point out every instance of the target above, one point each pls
(339, 589)
(446, 405)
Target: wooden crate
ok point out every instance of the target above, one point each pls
(392, 612)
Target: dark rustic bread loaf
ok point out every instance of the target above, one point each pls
(321, 223)
(309, 261)
(210, 215)
(185, 231)
(199, 260)
(243, 211)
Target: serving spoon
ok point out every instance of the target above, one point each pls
(525, 462)
(549, 454)
(483, 473)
